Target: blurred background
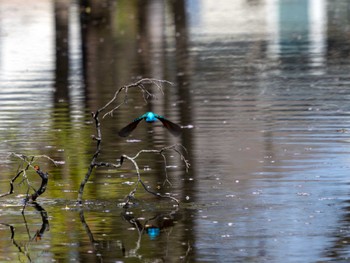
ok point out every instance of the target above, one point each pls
(260, 89)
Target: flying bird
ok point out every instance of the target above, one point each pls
(151, 117)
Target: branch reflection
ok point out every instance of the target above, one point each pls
(160, 223)
(339, 247)
(23, 247)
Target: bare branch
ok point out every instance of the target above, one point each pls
(44, 180)
(29, 160)
(165, 170)
(141, 84)
(11, 184)
(159, 194)
(34, 158)
(22, 171)
(139, 181)
(176, 148)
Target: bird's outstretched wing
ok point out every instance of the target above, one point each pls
(130, 127)
(173, 128)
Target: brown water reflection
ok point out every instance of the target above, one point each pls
(261, 88)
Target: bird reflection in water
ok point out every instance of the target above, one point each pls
(154, 227)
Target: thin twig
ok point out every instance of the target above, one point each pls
(139, 84)
(33, 158)
(22, 171)
(175, 148)
(95, 115)
(29, 160)
(165, 170)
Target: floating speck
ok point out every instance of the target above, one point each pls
(133, 140)
(303, 194)
(171, 166)
(128, 183)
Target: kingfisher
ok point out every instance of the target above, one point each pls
(151, 117)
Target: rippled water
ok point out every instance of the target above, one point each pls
(261, 90)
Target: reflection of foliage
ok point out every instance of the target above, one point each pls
(23, 249)
(27, 162)
(144, 85)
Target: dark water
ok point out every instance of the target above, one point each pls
(261, 90)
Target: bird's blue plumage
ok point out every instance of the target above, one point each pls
(151, 117)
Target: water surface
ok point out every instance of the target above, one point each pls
(261, 90)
